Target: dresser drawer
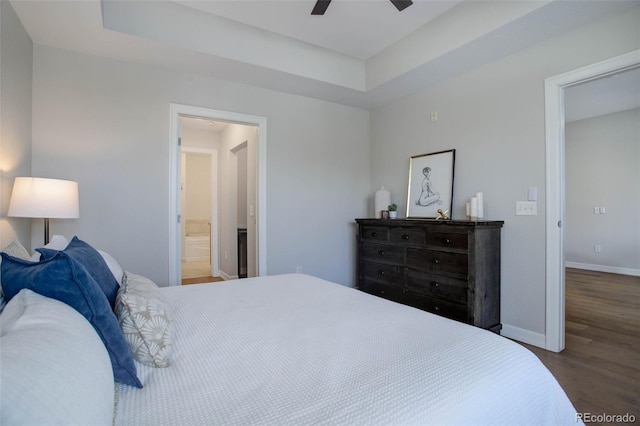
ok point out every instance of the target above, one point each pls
(448, 239)
(440, 286)
(407, 235)
(382, 290)
(383, 253)
(374, 233)
(437, 261)
(383, 273)
(437, 306)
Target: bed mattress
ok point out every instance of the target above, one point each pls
(295, 350)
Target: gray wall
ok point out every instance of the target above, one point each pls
(603, 170)
(494, 117)
(16, 62)
(106, 124)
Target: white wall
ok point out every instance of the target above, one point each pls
(242, 197)
(239, 149)
(602, 157)
(195, 136)
(106, 124)
(494, 117)
(16, 63)
(198, 187)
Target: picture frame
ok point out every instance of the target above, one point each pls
(431, 184)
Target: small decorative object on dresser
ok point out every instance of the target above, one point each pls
(446, 267)
(393, 211)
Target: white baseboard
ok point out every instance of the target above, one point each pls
(522, 335)
(603, 268)
(227, 277)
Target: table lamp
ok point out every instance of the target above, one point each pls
(44, 198)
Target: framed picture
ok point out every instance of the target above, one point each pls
(431, 184)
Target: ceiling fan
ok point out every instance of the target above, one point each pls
(321, 6)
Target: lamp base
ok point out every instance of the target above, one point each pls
(46, 231)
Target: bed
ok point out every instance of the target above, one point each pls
(296, 350)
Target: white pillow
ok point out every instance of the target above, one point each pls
(57, 242)
(143, 315)
(113, 265)
(55, 369)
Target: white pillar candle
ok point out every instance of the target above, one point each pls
(382, 200)
(474, 208)
(479, 198)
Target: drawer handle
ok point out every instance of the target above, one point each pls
(381, 272)
(381, 252)
(405, 236)
(437, 308)
(436, 261)
(445, 240)
(435, 284)
(374, 234)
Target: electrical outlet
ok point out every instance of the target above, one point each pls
(597, 248)
(298, 269)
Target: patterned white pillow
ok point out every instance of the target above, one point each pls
(16, 249)
(142, 313)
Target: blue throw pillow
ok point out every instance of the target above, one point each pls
(62, 278)
(89, 257)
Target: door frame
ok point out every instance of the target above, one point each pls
(555, 185)
(214, 239)
(176, 111)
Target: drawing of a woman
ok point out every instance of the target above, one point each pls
(428, 196)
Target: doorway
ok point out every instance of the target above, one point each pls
(199, 205)
(223, 216)
(555, 186)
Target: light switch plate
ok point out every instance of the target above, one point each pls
(526, 208)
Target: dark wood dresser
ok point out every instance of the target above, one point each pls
(450, 268)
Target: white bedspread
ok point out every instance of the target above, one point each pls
(296, 350)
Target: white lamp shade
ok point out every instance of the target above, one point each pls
(44, 198)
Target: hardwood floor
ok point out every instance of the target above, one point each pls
(201, 280)
(197, 273)
(195, 269)
(600, 366)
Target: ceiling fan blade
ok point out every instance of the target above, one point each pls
(401, 4)
(321, 7)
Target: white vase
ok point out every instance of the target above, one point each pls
(393, 215)
(382, 201)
